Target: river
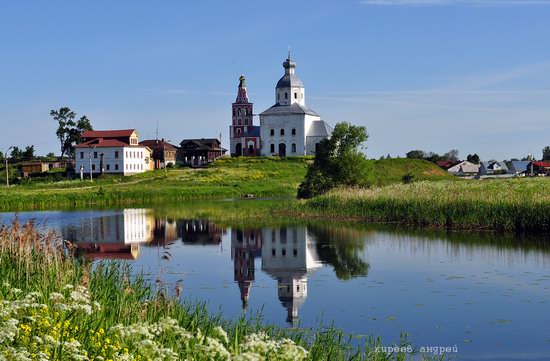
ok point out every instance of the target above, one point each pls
(487, 294)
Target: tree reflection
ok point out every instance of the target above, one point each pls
(341, 248)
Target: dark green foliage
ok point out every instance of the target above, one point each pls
(69, 131)
(338, 162)
(408, 178)
(29, 152)
(473, 158)
(415, 154)
(546, 153)
(16, 153)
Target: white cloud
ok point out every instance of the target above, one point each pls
(454, 2)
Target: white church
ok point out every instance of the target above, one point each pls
(288, 128)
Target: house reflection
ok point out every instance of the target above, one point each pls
(113, 236)
(246, 245)
(200, 232)
(165, 232)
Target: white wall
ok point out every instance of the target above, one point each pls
(116, 160)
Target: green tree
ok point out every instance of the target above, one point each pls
(69, 131)
(451, 155)
(28, 153)
(546, 153)
(1, 156)
(473, 158)
(416, 154)
(50, 155)
(16, 153)
(339, 161)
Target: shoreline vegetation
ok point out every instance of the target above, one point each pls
(404, 191)
(54, 306)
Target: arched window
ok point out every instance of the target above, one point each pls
(233, 112)
(286, 95)
(239, 111)
(278, 96)
(293, 147)
(282, 132)
(272, 148)
(272, 132)
(293, 131)
(238, 130)
(295, 95)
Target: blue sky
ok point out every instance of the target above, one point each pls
(472, 75)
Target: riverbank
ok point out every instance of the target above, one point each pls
(225, 178)
(57, 307)
(504, 205)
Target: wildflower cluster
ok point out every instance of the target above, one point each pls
(64, 326)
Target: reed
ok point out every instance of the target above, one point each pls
(514, 205)
(54, 306)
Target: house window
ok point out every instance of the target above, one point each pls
(93, 166)
(283, 235)
(116, 154)
(108, 167)
(282, 132)
(116, 166)
(293, 147)
(293, 131)
(81, 155)
(95, 154)
(295, 252)
(272, 132)
(272, 148)
(283, 251)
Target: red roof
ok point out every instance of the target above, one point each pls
(542, 164)
(108, 133)
(157, 144)
(102, 143)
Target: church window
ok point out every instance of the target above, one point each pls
(238, 131)
(282, 132)
(239, 111)
(284, 251)
(273, 252)
(246, 122)
(272, 148)
(238, 122)
(272, 132)
(233, 112)
(293, 131)
(297, 288)
(293, 147)
(245, 111)
(295, 252)
(295, 95)
(278, 96)
(286, 95)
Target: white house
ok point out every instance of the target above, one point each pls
(112, 152)
(290, 128)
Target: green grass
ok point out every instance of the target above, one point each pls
(512, 204)
(226, 178)
(57, 307)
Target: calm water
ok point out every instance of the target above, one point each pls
(486, 294)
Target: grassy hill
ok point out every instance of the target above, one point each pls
(226, 178)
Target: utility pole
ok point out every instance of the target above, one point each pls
(90, 156)
(7, 171)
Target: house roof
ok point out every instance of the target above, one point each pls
(103, 143)
(467, 167)
(108, 133)
(158, 144)
(518, 165)
(542, 164)
(294, 108)
(203, 143)
(319, 128)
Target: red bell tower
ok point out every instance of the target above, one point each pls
(244, 136)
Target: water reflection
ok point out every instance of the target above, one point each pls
(289, 254)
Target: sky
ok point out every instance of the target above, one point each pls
(435, 75)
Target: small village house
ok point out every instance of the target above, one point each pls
(539, 168)
(164, 153)
(112, 152)
(199, 152)
(518, 168)
(493, 168)
(30, 168)
(464, 169)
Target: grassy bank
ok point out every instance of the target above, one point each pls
(56, 307)
(226, 178)
(514, 204)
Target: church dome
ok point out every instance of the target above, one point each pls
(290, 81)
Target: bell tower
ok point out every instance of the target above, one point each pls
(242, 125)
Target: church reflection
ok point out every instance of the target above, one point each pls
(288, 254)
